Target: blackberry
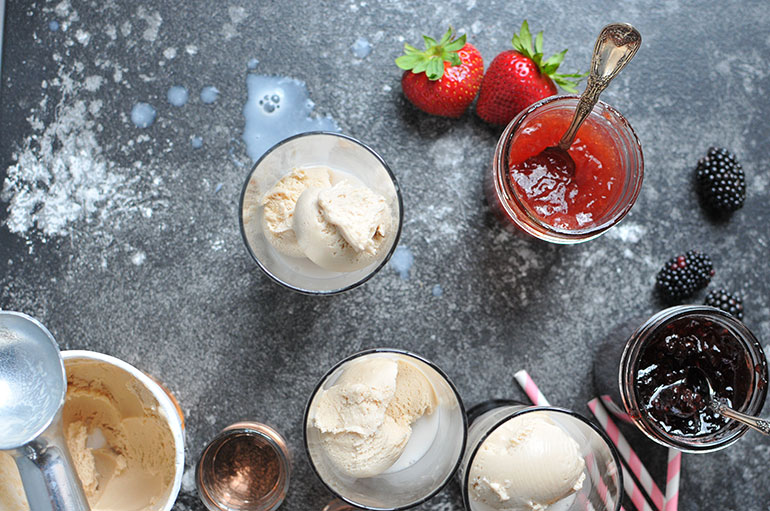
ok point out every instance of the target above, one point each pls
(683, 275)
(721, 181)
(728, 302)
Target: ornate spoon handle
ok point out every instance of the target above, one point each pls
(616, 45)
(761, 425)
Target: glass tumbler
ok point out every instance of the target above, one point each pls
(602, 488)
(342, 154)
(504, 199)
(431, 455)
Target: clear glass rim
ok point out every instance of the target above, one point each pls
(368, 276)
(396, 351)
(530, 409)
(629, 361)
(272, 437)
(539, 228)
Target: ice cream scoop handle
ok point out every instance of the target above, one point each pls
(48, 474)
(760, 425)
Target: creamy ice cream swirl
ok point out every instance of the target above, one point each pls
(329, 217)
(366, 417)
(527, 464)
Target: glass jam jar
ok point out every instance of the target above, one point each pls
(609, 167)
(654, 387)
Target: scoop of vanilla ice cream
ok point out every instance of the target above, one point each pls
(341, 228)
(121, 444)
(365, 418)
(528, 463)
(279, 203)
(357, 402)
(12, 496)
(361, 216)
(414, 396)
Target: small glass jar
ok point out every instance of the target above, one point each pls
(512, 209)
(246, 467)
(648, 332)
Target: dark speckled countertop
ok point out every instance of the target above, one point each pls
(154, 271)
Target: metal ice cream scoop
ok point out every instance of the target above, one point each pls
(32, 389)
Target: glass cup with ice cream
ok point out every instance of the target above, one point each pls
(521, 458)
(385, 429)
(321, 213)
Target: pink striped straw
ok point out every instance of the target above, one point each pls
(634, 463)
(538, 399)
(672, 479)
(528, 385)
(593, 471)
(633, 492)
(611, 406)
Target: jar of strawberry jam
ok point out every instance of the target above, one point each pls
(559, 206)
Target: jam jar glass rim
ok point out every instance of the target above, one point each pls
(541, 229)
(629, 362)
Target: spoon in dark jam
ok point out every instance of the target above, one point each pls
(699, 378)
(615, 47)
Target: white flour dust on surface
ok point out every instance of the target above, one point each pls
(61, 175)
(627, 232)
(62, 181)
(402, 261)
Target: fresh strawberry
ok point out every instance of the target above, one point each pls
(443, 79)
(519, 77)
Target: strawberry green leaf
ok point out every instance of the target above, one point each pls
(567, 85)
(549, 69)
(446, 37)
(453, 59)
(522, 42)
(455, 45)
(421, 66)
(431, 60)
(435, 68)
(556, 59)
(408, 48)
(526, 38)
(408, 62)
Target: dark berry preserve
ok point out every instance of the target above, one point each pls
(669, 378)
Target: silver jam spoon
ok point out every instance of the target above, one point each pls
(719, 406)
(615, 47)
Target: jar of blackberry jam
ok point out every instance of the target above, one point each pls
(663, 396)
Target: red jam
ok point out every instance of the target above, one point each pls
(558, 198)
